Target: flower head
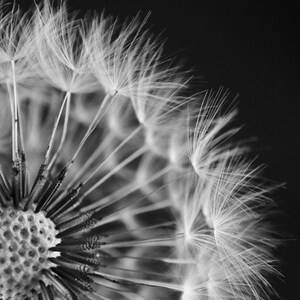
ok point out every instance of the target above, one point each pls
(114, 182)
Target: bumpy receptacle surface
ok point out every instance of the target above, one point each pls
(25, 238)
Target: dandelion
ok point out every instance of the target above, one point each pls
(115, 183)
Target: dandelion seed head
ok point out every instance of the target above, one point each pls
(194, 283)
(115, 181)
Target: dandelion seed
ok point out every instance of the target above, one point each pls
(61, 57)
(114, 183)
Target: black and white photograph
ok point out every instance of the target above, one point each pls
(149, 150)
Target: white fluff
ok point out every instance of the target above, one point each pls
(154, 162)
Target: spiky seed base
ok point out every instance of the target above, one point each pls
(25, 238)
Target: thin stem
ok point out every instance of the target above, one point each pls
(96, 154)
(124, 191)
(155, 242)
(153, 283)
(64, 133)
(41, 174)
(129, 159)
(50, 145)
(160, 227)
(113, 153)
(11, 102)
(115, 216)
(15, 113)
(99, 115)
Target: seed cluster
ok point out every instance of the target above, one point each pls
(25, 238)
(116, 181)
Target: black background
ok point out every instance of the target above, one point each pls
(252, 48)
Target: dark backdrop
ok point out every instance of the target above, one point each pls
(252, 48)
